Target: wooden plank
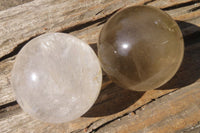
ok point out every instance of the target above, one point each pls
(107, 107)
(168, 114)
(113, 102)
(90, 35)
(23, 22)
(34, 18)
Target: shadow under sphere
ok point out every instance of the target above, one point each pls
(113, 99)
(189, 71)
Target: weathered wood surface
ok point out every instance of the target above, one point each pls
(5, 4)
(88, 32)
(29, 20)
(170, 113)
(171, 108)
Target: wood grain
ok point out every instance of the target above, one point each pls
(168, 114)
(34, 18)
(108, 106)
(116, 110)
(5, 4)
(90, 35)
(23, 22)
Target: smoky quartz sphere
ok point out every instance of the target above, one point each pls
(140, 48)
(56, 77)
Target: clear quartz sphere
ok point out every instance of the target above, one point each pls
(56, 77)
(141, 48)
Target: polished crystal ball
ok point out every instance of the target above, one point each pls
(56, 77)
(140, 48)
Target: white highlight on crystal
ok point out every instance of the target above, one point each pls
(125, 45)
(34, 77)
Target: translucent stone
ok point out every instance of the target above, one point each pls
(140, 48)
(56, 77)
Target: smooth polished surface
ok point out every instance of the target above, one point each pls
(140, 48)
(56, 77)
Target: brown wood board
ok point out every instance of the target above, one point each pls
(174, 107)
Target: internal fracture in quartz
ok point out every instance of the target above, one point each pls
(140, 48)
(56, 77)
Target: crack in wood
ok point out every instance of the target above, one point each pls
(194, 9)
(99, 12)
(146, 3)
(15, 51)
(89, 23)
(8, 105)
(181, 5)
(69, 30)
(193, 129)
